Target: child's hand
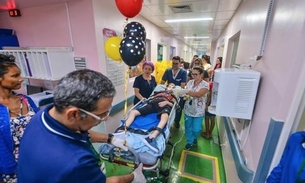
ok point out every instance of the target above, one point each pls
(162, 104)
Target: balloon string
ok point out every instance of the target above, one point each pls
(125, 92)
(124, 25)
(125, 104)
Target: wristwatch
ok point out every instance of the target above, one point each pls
(110, 136)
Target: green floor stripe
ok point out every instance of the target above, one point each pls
(199, 167)
(204, 167)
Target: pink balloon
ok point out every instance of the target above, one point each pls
(129, 8)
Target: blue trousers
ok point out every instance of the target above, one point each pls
(193, 127)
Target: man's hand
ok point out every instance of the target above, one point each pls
(138, 175)
(117, 142)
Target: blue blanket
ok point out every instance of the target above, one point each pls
(136, 142)
(144, 122)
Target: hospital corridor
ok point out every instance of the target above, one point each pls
(160, 91)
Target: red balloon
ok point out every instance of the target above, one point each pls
(129, 8)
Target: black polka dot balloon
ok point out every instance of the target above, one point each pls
(132, 50)
(135, 29)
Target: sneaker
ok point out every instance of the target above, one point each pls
(152, 144)
(177, 125)
(188, 147)
(195, 142)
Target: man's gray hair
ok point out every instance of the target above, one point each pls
(82, 89)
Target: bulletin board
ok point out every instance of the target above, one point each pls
(115, 69)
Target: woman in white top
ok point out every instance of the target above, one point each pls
(206, 64)
(194, 107)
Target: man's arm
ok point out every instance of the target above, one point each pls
(98, 137)
(135, 176)
(164, 77)
(107, 138)
(120, 179)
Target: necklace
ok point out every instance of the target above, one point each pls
(196, 84)
(16, 113)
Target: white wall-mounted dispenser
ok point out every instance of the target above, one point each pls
(234, 92)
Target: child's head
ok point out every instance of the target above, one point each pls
(170, 86)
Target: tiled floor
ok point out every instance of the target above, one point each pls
(201, 164)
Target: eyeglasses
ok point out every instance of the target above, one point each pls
(175, 63)
(196, 63)
(194, 74)
(99, 119)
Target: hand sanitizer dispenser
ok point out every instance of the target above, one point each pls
(234, 92)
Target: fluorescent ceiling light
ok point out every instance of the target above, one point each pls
(199, 44)
(196, 37)
(188, 20)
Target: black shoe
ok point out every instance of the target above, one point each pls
(195, 142)
(177, 125)
(188, 147)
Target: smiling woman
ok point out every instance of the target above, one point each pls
(16, 112)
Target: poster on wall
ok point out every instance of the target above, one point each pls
(160, 53)
(172, 52)
(115, 69)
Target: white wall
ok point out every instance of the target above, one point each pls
(281, 65)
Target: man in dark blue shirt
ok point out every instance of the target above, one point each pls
(57, 144)
(178, 76)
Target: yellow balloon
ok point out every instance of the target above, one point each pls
(160, 69)
(112, 46)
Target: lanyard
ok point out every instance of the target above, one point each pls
(96, 154)
(300, 172)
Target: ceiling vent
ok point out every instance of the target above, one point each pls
(181, 8)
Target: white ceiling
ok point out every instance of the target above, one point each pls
(157, 11)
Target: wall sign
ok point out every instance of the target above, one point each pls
(14, 13)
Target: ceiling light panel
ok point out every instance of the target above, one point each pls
(188, 20)
(196, 37)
